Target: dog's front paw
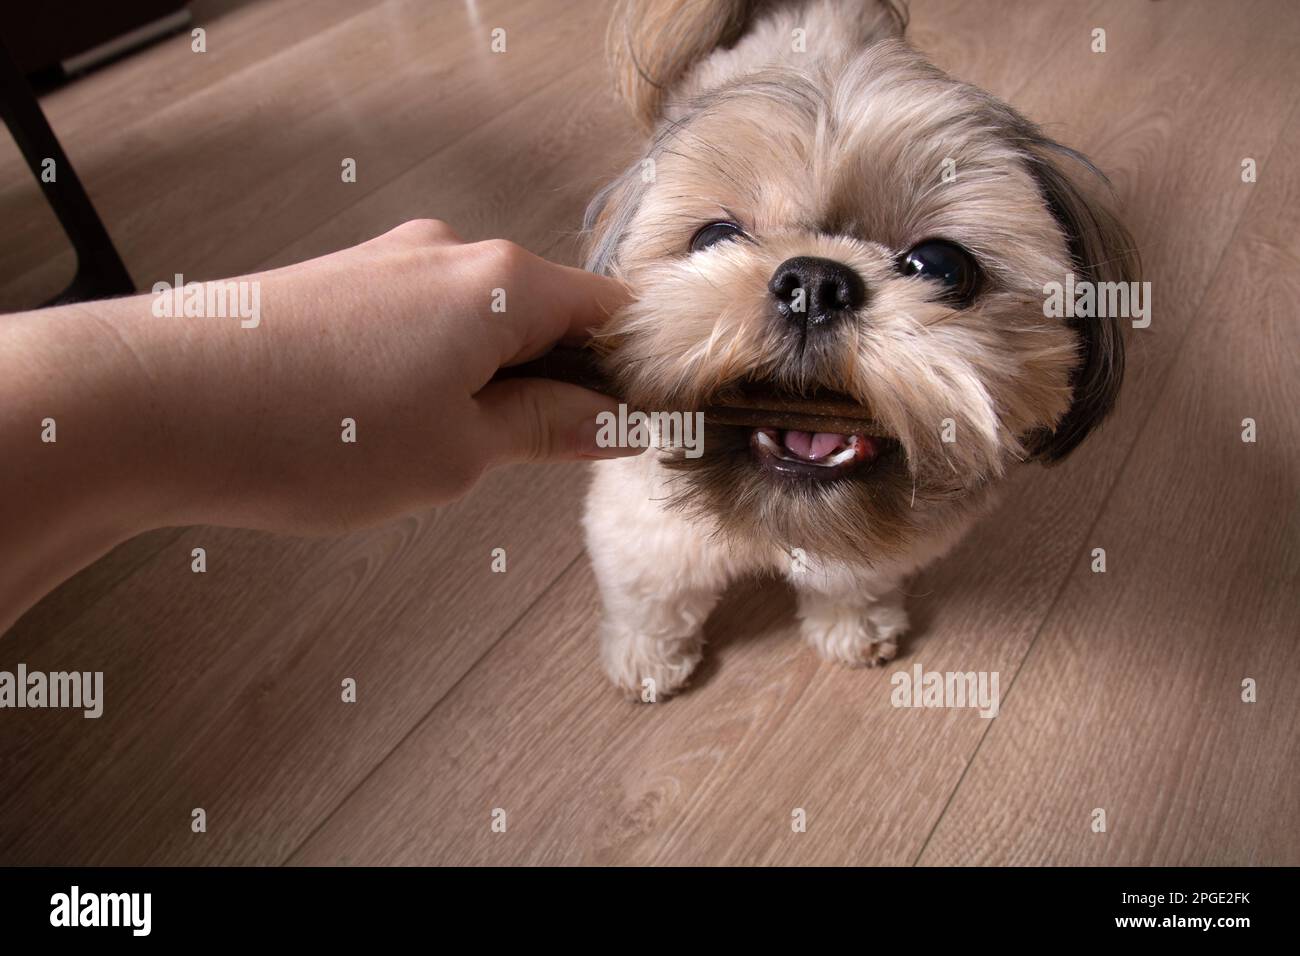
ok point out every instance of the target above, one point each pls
(647, 668)
(853, 634)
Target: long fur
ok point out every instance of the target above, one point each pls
(834, 150)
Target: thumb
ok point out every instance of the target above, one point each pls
(536, 419)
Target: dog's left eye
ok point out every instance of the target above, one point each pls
(713, 233)
(944, 262)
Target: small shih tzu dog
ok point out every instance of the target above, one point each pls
(822, 216)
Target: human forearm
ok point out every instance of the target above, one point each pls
(81, 469)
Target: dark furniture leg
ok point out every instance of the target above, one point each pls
(100, 271)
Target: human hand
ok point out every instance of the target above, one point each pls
(362, 392)
(213, 420)
(398, 335)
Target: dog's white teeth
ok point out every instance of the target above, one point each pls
(768, 443)
(840, 457)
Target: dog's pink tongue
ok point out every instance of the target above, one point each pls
(813, 445)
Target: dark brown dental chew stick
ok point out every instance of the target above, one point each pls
(764, 409)
(575, 366)
(805, 421)
(768, 401)
(749, 409)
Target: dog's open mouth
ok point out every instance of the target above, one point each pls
(816, 456)
(816, 439)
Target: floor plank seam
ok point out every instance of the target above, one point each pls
(1172, 366)
(117, 580)
(1137, 669)
(417, 724)
(267, 262)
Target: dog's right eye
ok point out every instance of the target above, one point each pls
(713, 233)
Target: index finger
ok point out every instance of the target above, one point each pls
(563, 305)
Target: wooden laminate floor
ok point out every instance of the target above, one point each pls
(478, 691)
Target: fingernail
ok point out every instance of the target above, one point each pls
(598, 439)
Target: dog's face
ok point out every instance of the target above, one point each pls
(868, 228)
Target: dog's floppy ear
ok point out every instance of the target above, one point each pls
(607, 218)
(1101, 250)
(652, 43)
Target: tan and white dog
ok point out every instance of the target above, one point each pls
(821, 211)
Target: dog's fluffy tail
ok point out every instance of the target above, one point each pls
(653, 44)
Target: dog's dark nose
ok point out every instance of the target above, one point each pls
(815, 292)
